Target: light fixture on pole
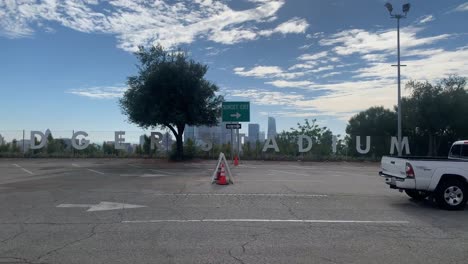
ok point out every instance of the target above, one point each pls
(406, 8)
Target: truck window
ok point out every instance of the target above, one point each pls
(464, 151)
(455, 151)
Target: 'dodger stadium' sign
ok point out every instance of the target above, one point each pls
(304, 142)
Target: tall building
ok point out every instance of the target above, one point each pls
(189, 133)
(254, 133)
(261, 136)
(142, 140)
(271, 127)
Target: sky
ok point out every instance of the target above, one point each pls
(66, 63)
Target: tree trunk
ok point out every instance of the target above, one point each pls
(180, 147)
(180, 144)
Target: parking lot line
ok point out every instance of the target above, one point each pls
(95, 171)
(23, 169)
(76, 165)
(134, 166)
(30, 172)
(246, 166)
(160, 171)
(241, 194)
(264, 221)
(288, 172)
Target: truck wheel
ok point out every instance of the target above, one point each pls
(452, 195)
(417, 195)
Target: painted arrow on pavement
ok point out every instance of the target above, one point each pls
(102, 206)
(236, 115)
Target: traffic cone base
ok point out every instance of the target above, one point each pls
(222, 176)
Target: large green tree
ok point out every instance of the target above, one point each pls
(377, 122)
(170, 91)
(437, 112)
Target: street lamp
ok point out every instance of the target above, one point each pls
(406, 8)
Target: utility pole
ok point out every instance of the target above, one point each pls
(406, 8)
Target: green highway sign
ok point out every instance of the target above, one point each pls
(236, 112)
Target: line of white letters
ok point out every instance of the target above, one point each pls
(270, 143)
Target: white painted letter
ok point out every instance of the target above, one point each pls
(270, 143)
(119, 140)
(84, 142)
(42, 141)
(358, 145)
(334, 141)
(156, 140)
(300, 143)
(404, 145)
(206, 146)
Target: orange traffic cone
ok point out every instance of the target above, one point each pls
(219, 172)
(236, 160)
(222, 176)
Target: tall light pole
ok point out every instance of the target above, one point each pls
(406, 8)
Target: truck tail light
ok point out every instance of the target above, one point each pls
(409, 170)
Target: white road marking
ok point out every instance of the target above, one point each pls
(154, 175)
(146, 175)
(267, 221)
(76, 165)
(160, 171)
(241, 194)
(246, 166)
(95, 171)
(134, 166)
(301, 167)
(288, 172)
(102, 206)
(271, 180)
(23, 169)
(30, 172)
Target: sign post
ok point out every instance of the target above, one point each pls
(235, 112)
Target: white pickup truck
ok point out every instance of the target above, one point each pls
(444, 179)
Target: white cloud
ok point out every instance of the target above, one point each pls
(363, 42)
(295, 25)
(100, 92)
(312, 57)
(136, 22)
(426, 19)
(308, 65)
(259, 71)
(430, 65)
(267, 72)
(291, 84)
(462, 7)
(330, 74)
(264, 97)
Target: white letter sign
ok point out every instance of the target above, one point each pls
(358, 145)
(76, 144)
(42, 141)
(270, 143)
(119, 140)
(300, 143)
(404, 145)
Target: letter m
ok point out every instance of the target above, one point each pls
(404, 145)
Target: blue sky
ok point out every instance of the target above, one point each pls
(65, 63)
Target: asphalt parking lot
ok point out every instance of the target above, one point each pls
(147, 211)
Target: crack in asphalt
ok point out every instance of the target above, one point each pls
(19, 260)
(14, 236)
(290, 210)
(93, 233)
(253, 238)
